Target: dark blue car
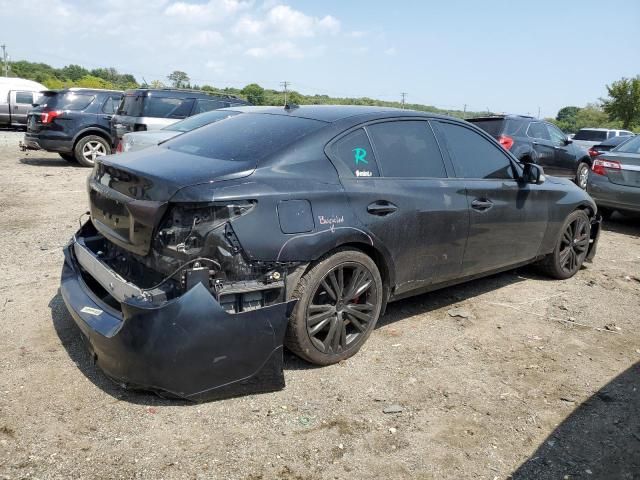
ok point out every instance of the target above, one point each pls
(74, 122)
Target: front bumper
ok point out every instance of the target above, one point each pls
(188, 347)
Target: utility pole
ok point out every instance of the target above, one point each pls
(5, 63)
(403, 95)
(464, 112)
(285, 84)
(538, 113)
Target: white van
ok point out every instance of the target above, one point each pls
(17, 96)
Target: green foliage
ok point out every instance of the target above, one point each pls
(623, 103)
(593, 115)
(178, 79)
(254, 93)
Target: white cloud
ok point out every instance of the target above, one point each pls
(390, 51)
(285, 49)
(211, 11)
(286, 22)
(204, 38)
(357, 34)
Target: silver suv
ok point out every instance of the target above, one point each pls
(588, 137)
(143, 109)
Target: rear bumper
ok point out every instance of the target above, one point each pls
(189, 347)
(36, 142)
(611, 195)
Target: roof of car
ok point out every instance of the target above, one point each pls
(502, 116)
(180, 92)
(601, 129)
(333, 113)
(82, 90)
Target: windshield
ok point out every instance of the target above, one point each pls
(66, 101)
(201, 120)
(246, 137)
(591, 135)
(632, 146)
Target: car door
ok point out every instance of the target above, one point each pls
(108, 110)
(395, 178)
(541, 142)
(20, 103)
(565, 161)
(507, 218)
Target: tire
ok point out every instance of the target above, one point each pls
(89, 148)
(69, 157)
(582, 175)
(605, 212)
(334, 333)
(571, 247)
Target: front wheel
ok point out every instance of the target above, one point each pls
(582, 175)
(89, 148)
(571, 247)
(340, 299)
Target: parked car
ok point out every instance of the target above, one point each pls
(74, 122)
(298, 225)
(152, 109)
(614, 182)
(608, 145)
(17, 96)
(134, 141)
(535, 141)
(588, 137)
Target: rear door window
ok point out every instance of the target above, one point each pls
(407, 149)
(24, 97)
(538, 130)
(131, 106)
(475, 156)
(110, 105)
(354, 150)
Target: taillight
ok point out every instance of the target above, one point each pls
(593, 152)
(599, 166)
(47, 117)
(119, 147)
(506, 141)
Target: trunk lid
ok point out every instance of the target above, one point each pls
(629, 173)
(129, 193)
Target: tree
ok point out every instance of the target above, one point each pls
(178, 79)
(156, 84)
(624, 101)
(74, 72)
(254, 93)
(566, 119)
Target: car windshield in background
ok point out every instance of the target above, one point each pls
(246, 137)
(201, 120)
(632, 146)
(131, 105)
(67, 101)
(591, 135)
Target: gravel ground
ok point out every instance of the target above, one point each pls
(540, 380)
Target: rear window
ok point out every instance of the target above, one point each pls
(493, 126)
(591, 135)
(246, 137)
(24, 97)
(201, 120)
(631, 146)
(68, 101)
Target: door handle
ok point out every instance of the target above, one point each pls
(381, 208)
(481, 205)
(108, 117)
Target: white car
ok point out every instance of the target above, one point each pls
(588, 137)
(138, 140)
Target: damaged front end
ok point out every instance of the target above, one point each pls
(169, 302)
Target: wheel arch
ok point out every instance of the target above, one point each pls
(92, 131)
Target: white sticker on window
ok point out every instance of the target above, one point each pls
(91, 311)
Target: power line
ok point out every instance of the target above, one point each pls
(285, 84)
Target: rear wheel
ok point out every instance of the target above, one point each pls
(582, 175)
(571, 247)
(89, 148)
(69, 157)
(340, 300)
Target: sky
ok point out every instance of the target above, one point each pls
(503, 56)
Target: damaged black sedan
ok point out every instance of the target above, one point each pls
(296, 226)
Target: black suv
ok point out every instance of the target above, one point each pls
(75, 122)
(534, 141)
(155, 108)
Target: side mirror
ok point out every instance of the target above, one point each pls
(567, 141)
(533, 174)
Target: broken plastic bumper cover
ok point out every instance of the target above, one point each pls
(189, 347)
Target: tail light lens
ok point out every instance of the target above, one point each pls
(119, 147)
(599, 166)
(506, 141)
(593, 152)
(47, 117)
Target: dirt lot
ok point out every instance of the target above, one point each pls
(517, 388)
